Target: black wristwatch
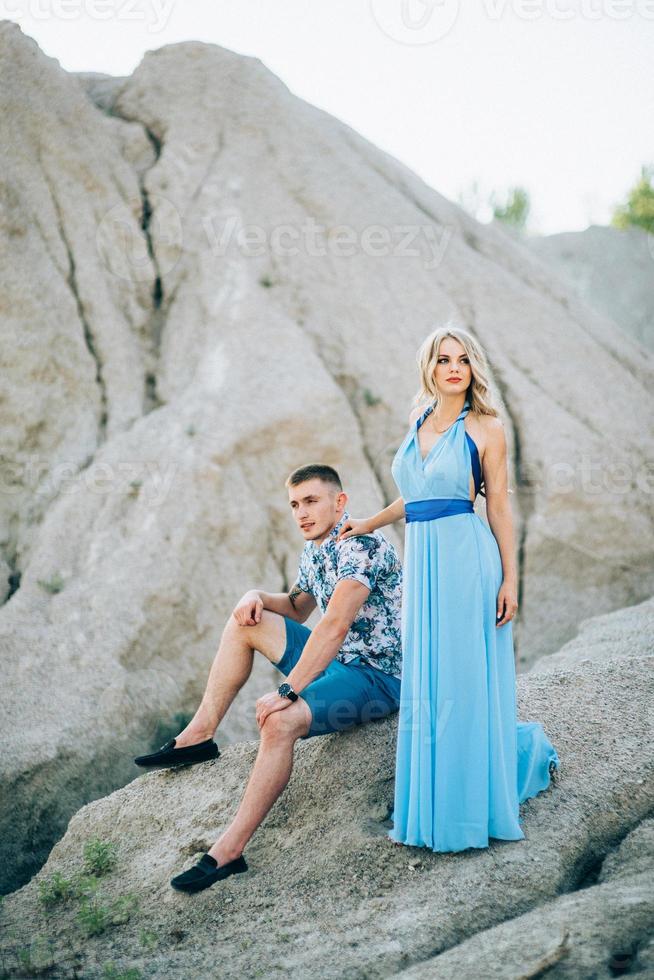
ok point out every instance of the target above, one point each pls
(286, 691)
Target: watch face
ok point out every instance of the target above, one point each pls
(284, 689)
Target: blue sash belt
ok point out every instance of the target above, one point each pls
(429, 510)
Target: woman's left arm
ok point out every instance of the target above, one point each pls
(500, 517)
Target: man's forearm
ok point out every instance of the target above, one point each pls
(320, 649)
(278, 602)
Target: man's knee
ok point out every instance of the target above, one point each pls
(289, 723)
(268, 631)
(249, 630)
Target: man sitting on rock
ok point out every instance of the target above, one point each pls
(344, 672)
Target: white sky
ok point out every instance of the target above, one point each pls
(555, 95)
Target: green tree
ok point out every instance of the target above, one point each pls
(638, 209)
(515, 210)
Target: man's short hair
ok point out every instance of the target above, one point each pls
(314, 471)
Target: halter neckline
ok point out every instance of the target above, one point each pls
(423, 459)
(430, 408)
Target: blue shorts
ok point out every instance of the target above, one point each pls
(343, 695)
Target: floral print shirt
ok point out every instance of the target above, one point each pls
(375, 634)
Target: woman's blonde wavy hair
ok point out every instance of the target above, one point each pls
(479, 392)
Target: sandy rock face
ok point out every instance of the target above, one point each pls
(210, 282)
(328, 894)
(613, 271)
(602, 930)
(624, 633)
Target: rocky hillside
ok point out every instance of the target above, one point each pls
(612, 270)
(207, 283)
(327, 894)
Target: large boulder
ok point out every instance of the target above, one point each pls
(328, 895)
(623, 633)
(209, 282)
(601, 930)
(612, 270)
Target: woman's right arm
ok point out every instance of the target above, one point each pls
(394, 512)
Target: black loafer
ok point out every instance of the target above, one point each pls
(168, 755)
(206, 872)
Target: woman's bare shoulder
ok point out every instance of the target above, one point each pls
(492, 424)
(486, 430)
(416, 412)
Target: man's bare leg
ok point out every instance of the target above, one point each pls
(269, 777)
(230, 670)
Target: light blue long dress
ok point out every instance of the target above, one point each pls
(463, 760)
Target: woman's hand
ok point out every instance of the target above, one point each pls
(353, 527)
(507, 603)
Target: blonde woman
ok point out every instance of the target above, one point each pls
(463, 761)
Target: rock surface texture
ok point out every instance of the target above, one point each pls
(327, 894)
(209, 282)
(613, 271)
(624, 633)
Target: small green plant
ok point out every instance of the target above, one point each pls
(369, 398)
(266, 282)
(134, 487)
(52, 585)
(24, 957)
(93, 916)
(96, 915)
(55, 888)
(111, 972)
(99, 856)
(36, 958)
(514, 210)
(148, 938)
(85, 885)
(638, 209)
(122, 908)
